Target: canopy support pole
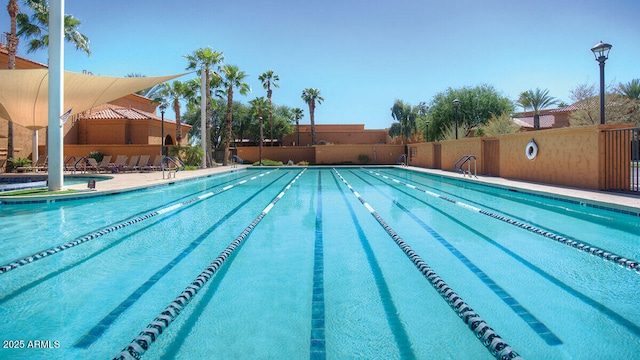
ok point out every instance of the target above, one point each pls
(203, 119)
(55, 142)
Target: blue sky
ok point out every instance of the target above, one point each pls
(363, 55)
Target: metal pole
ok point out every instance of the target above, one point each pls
(162, 150)
(260, 118)
(601, 61)
(55, 142)
(456, 121)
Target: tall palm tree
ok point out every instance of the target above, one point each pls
(12, 50)
(297, 114)
(22, 26)
(172, 94)
(36, 28)
(537, 99)
(406, 117)
(630, 89)
(268, 79)
(311, 96)
(258, 105)
(233, 78)
(205, 59)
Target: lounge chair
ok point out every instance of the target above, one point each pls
(156, 165)
(133, 163)
(105, 164)
(143, 162)
(41, 164)
(120, 163)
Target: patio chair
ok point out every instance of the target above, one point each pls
(41, 164)
(105, 164)
(156, 165)
(120, 163)
(143, 163)
(133, 163)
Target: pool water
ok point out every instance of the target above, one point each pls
(17, 183)
(316, 270)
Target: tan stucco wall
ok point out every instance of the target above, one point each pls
(423, 155)
(453, 150)
(326, 154)
(568, 156)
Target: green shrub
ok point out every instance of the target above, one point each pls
(363, 158)
(267, 162)
(303, 163)
(96, 155)
(15, 163)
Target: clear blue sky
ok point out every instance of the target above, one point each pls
(363, 55)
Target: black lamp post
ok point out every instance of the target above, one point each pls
(163, 107)
(456, 103)
(260, 119)
(601, 52)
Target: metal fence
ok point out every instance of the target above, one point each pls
(622, 160)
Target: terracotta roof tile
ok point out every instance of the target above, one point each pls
(125, 113)
(546, 121)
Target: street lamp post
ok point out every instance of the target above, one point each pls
(260, 143)
(456, 103)
(162, 109)
(601, 52)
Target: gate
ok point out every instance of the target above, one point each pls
(622, 160)
(491, 157)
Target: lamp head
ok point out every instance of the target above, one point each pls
(601, 51)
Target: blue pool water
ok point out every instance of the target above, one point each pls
(30, 182)
(319, 263)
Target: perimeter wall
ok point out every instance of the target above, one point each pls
(572, 157)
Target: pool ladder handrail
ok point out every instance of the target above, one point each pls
(466, 159)
(171, 160)
(73, 161)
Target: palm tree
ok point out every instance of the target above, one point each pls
(12, 50)
(268, 79)
(537, 99)
(233, 78)
(258, 105)
(297, 114)
(311, 96)
(34, 31)
(630, 89)
(405, 115)
(205, 59)
(36, 28)
(172, 94)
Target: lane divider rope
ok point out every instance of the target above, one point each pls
(593, 250)
(139, 345)
(107, 230)
(487, 336)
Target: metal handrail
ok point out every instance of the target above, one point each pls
(466, 160)
(179, 165)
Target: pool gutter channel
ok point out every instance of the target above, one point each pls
(609, 256)
(140, 344)
(488, 337)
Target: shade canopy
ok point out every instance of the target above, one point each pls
(24, 93)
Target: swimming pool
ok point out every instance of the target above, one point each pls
(9, 183)
(319, 263)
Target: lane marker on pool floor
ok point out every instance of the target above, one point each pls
(489, 337)
(139, 345)
(107, 230)
(590, 249)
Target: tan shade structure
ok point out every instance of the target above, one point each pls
(24, 93)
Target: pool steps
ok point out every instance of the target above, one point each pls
(45, 253)
(593, 250)
(141, 343)
(488, 337)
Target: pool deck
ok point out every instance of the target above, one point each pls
(138, 180)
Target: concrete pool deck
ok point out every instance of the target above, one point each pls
(138, 180)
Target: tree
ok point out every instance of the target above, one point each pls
(36, 28)
(537, 100)
(477, 105)
(258, 105)
(172, 94)
(204, 59)
(269, 78)
(298, 114)
(630, 89)
(620, 108)
(499, 125)
(233, 78)
(405, 115)
(311, 96)
(33, 29)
